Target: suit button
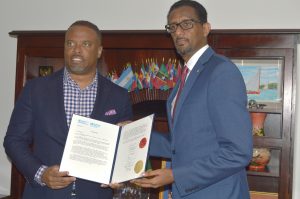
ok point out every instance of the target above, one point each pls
(173, 152)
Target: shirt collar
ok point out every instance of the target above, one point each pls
(68, 80)
(193, 60)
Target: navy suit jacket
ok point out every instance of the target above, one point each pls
(210, 140)
(39, 118)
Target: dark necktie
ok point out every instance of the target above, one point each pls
(182, 82)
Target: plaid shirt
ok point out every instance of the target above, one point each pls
(76, 101)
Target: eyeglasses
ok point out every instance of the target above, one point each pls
(184, 25)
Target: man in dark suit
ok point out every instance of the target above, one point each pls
(210, 140)
(39, 123)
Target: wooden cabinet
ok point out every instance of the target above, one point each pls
(279, 125)
(38, 49)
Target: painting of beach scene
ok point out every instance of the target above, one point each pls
(262, 78)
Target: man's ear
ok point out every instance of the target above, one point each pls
(100, 51)
(206, 29)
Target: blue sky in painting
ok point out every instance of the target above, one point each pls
(268, 74)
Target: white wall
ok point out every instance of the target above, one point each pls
(121, 15)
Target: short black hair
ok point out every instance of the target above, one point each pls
(199, 9)
(88, 25)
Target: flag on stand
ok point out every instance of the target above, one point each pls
(139, 80)
(158, 83)
(154, 68)
(163, 72)
(134, 84)
(172, 72)
(178, 74)
(149, 76)
(114, 77)
(126, 78)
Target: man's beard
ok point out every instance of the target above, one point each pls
(77, 69)
(184, 51)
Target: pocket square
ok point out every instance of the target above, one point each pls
(111, 112)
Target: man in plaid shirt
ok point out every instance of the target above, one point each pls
(40, 121)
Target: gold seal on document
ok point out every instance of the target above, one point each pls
(138, 166)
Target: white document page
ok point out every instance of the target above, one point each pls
(133, 150)
(90, 149)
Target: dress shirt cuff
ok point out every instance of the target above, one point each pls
(38, 175)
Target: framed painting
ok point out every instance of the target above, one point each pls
(263, 79)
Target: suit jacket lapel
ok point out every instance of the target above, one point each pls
(56, 111)
(198, 68)
(169, 105)
(101, 99)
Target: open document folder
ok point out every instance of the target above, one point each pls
(106, 153)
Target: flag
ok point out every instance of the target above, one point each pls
(171, 71)
(160, 80)
(114, 77)
(178, 72)
(157, 82)
(163, 72)
(139, 80)
(134, 83)
(126, 78)
(147, 81)
(154, 68)
(143, 71)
